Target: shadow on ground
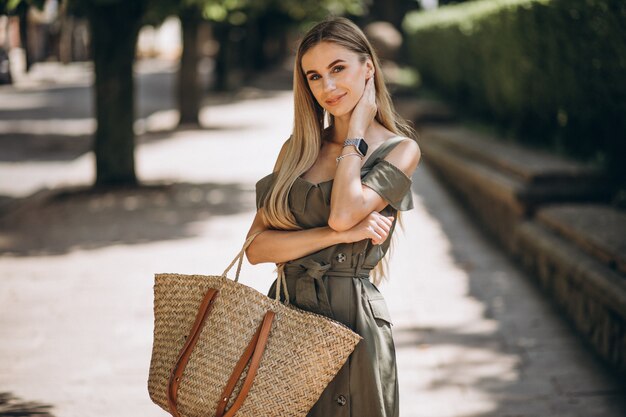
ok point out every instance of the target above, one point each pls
(90, 218)
(28, 116)
(549, 369)
(12, 406)
(472, 370)
(45, 147)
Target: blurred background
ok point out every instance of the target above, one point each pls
(132, 134)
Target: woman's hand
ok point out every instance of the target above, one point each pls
(364, 111)
(375, 226)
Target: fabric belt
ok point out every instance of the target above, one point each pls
(311, 293)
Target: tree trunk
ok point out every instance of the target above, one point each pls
(188, 87)
(253, 57)
(22, 12)
(67, 35)
(114, 32)
(221, 34)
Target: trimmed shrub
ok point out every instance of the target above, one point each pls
(550, 72)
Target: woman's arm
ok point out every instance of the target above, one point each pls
(351, 201)
(281, 246)
(284, 245)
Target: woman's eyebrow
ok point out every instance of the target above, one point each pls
(329, 65)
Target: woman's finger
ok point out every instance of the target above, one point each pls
(383, 221)
(386, 220)
(373, 232)
(385, 227)
(382, 232)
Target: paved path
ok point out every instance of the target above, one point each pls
(473, 335)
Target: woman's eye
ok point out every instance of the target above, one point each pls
(338, 68)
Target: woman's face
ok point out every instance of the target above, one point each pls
(335, 76)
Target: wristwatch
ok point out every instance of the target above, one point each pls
(358, 143)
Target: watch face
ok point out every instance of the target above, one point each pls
(359, 144)
(362, 147)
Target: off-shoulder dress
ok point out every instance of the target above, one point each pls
(336, 282)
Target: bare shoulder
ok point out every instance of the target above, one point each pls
(405, 155)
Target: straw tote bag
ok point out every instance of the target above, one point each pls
(222, 348)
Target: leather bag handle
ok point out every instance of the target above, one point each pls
(255, 349)
(252, 353)
(185, 353)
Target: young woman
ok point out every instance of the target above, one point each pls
(329, 208)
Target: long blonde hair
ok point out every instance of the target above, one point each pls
(303, 147)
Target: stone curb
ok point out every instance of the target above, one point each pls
(596, 229)
(592, 295)
(506, 186)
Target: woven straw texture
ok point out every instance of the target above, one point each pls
(303, 353)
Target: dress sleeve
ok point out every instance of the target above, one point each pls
(391, 183)
(263, 187)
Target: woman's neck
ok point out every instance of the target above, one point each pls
(339, 131)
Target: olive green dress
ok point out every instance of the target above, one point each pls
(335, 282)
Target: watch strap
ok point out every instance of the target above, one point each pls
(358, 143)
(352, 141)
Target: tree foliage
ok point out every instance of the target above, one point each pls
(10, 6)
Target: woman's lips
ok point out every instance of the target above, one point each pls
(335, 101)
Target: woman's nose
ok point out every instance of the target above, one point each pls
(329, 84)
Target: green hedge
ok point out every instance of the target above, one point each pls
(551, 72)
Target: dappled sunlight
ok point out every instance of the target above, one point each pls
(13, 101)
(159, 121)
(69, 127)
(473, 337)
(422, 265)
(261, 112)
(231, 148)
(53, 151)
(25, 178)
(105, 332)
(431, 374)
(448, 346)
(90, 219)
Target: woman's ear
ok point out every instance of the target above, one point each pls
(370, 69)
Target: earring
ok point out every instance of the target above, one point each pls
(326, 119)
